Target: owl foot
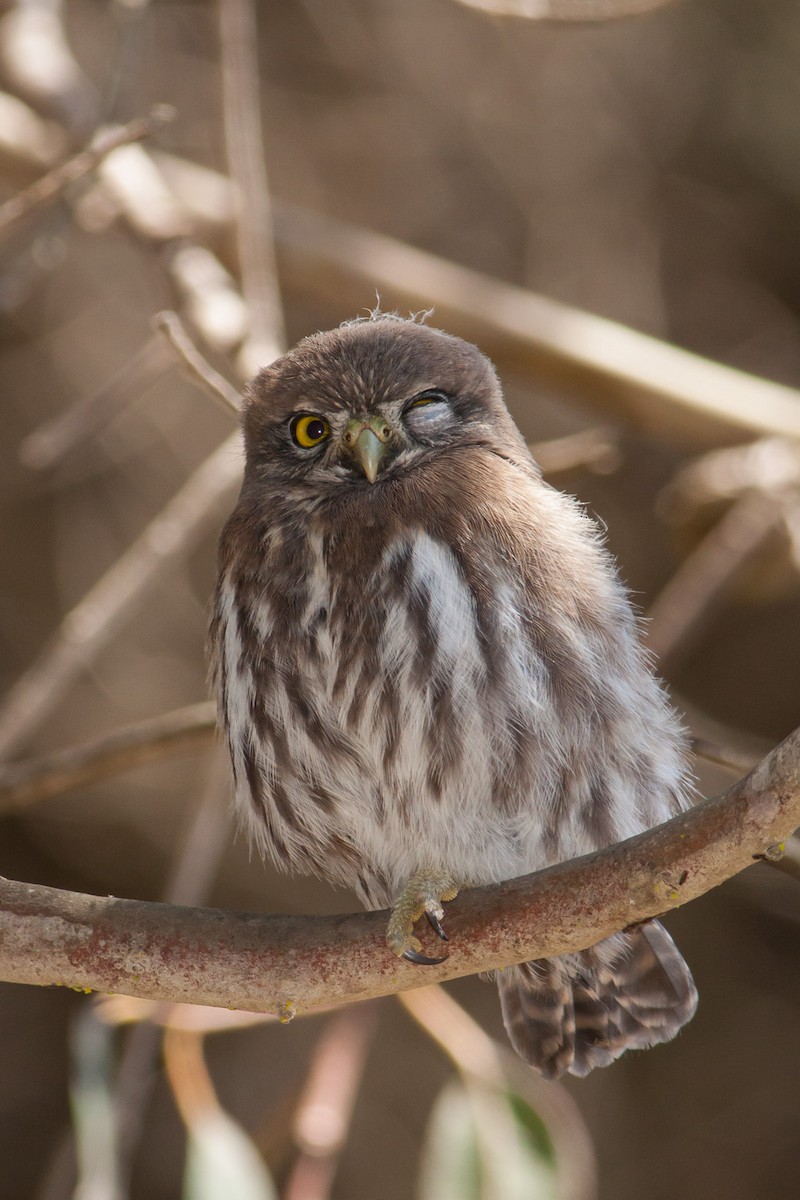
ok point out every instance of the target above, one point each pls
(422, 895)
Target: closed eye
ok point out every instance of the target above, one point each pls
(431, 396)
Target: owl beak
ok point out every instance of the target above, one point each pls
(368, 442)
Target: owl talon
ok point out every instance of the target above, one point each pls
(422, 895)
(422, 960)
(437, 926)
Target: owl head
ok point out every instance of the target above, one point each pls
(357, 406)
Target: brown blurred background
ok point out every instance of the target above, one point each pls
(645, 169)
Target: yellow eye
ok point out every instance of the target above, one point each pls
(309, 431)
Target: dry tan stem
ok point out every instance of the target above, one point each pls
(185, 1065)
(198, 367)
(703, 578)
(283, 964)
(103, 610)
(51, 185)
(245, 150)
(723, 756)
(325, 1109)
(183, 729)
(593, 448)
(670, 393)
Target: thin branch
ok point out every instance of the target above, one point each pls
(670, 393)
(198, 367)
(244, 143)
(213, 302)
(183, 729)
(597, 449)
(283, 964)
(185, 1066)
(104, 609)
(722, 756)
(51, 185)
(325, 1109)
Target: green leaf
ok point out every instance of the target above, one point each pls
(222, 1163)
(450, 1168)
(484, 1143)
(92, 1105)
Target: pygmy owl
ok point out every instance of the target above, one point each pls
(429, 673)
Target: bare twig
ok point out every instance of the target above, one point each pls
(214, 1134)
(325, 1109)
(188, 1075)
(245, 150)
(98, 616)
(670, 393)
(213, 301)
(593, 448)
(198, 367)
(475, 1054)
(282, 964)
(51, 185)
(723, 756)
(702, 579)
(26, 783)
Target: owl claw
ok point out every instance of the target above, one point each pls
(437, 927)
(423, 894)
(422, 960)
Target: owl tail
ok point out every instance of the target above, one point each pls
(582, 1011)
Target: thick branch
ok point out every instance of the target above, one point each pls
(284, 964)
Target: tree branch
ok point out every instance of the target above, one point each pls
(51, 185)
(287, 963)
(183, 729)
(96, 618)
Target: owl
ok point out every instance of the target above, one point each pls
(430, 675)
